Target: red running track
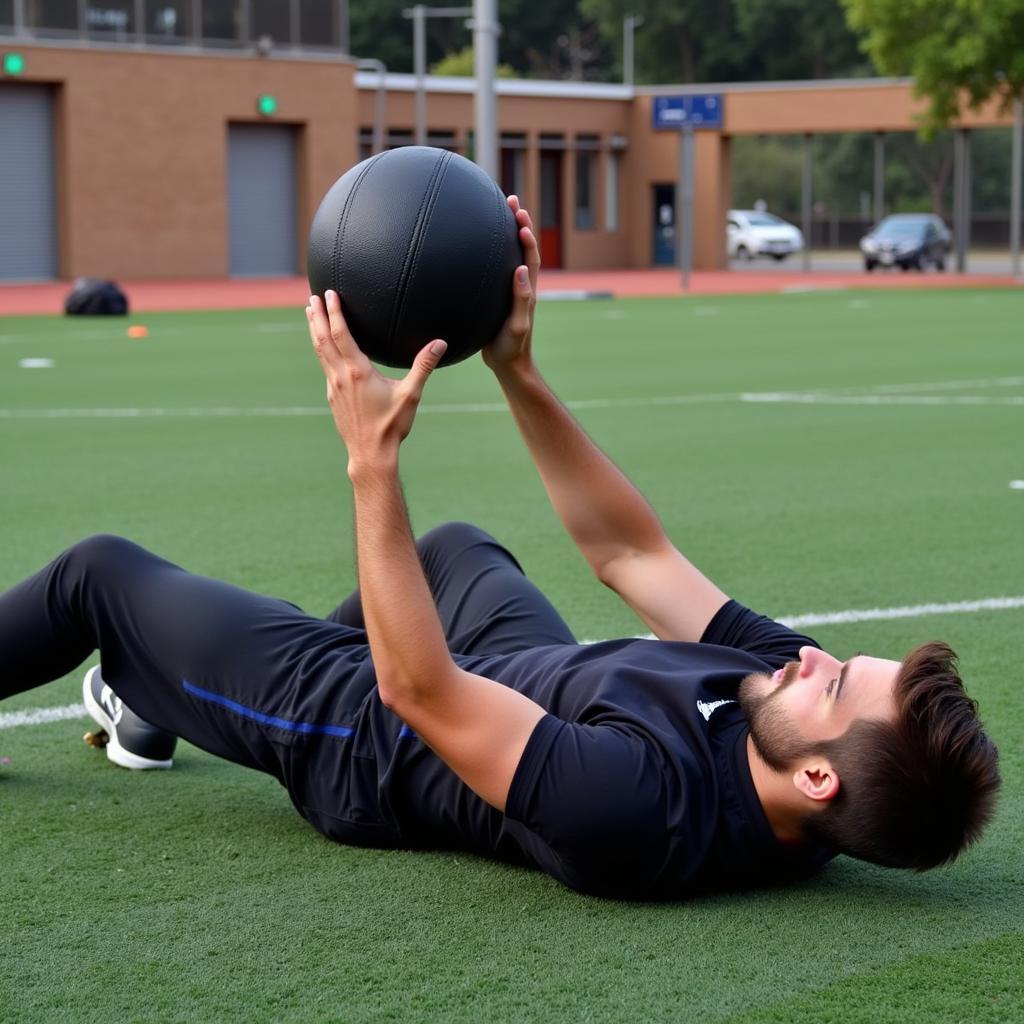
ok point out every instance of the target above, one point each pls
(231, 293)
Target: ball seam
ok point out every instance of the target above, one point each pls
(427, 204)
(339, 235)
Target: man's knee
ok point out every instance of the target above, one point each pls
(450, 543)
(101, 551)
(454, 536)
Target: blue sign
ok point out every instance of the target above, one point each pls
(697, 110)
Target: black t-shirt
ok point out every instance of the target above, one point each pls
(634, 785)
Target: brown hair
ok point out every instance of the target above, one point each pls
(917, 792)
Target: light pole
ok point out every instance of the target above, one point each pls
(485, 107)
(630, 23)
(372, 64)
(419, 15)
(1016, 160)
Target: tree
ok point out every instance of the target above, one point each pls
(540, 40)
(462, 64)
(682, 41)
(793, 39)
(957, 50)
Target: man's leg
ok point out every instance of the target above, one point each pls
(212, 663)
(486, 603)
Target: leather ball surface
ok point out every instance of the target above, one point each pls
(420, 244)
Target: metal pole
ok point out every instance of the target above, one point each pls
(806, 205)
(245, 22)
(684, 205)
(961, 196)
(485, 53)
(295, 23)
(197, 22)
(83, 17)
(19, 18)
(344, 41)
(140, 22)
(372, 64)
(630, 23)
(879, 192)
(419, 51)
(1017, 158)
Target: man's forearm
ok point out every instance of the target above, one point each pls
(603, 511)
(405, 634)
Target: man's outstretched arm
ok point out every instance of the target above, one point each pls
(478, 727)
(611, 522)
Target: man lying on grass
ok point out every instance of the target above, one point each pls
(446, 703)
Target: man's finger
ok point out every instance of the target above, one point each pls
(423, 366)
(531, 254)
(339, 332)
(320, 334)
(523, 218)
(522, 294)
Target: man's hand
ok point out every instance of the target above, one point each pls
(512, 345)
(373, 413)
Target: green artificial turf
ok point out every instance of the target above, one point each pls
(199, 895)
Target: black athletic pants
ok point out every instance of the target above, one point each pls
(241, 675)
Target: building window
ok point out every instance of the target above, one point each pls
(318, 20)
(105, 18)
(612, 173)
(222, 22)
(513, 163)
(586, 181)
(52, 16)
(168, 21)
(272, 19)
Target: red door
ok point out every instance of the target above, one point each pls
(551, 208)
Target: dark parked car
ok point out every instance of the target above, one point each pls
(907, 240)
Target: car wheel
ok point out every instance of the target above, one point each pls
(869, 265)
(940, 263)
(779, 256)
(743, 253)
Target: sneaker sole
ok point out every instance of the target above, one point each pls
(115, 752)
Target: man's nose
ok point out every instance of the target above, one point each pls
(812, 659)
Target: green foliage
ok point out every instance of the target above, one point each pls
(958, 51)
(461, 65)
(548, 40)
(682, 41)
(793, 39)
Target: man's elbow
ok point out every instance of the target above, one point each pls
(404, 687)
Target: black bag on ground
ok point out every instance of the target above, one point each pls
(92, 297)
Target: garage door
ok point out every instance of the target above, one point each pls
(28, 220)
(262, 200)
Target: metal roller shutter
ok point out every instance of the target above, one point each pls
(28, 219)
(262, 201)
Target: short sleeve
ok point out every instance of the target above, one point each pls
(735, 625)
(600, 797)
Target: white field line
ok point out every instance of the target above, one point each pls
(228, 412)
(909, 611)
(820, 398)
(41, 716)
(951, 385)
(879, 394)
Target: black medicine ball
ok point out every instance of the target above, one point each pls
(420, 244)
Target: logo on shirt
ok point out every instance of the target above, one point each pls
(708, 708)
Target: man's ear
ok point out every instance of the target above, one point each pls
(817, 780)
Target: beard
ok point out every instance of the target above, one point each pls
(774, 736)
